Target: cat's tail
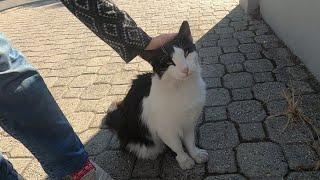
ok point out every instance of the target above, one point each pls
(113, 118)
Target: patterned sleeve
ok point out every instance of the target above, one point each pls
(113, 26)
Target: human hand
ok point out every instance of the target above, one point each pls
(158, 41)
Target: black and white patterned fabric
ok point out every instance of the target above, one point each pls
(113, 26)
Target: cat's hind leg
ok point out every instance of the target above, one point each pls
(172, 139)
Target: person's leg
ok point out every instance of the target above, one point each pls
(31, 115)
(6, 170)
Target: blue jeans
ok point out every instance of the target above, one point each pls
(29, 113)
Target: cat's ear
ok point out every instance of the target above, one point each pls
(185, 30)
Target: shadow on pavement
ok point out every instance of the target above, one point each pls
(104, 146)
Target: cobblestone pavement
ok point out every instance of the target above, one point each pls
(245, 65)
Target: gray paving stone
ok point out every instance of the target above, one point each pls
(224, 30)
(281, 132)
(226, 177)
(210, 42)
(278, 53)
(230, 49)
(219, 135)
(225, 36)
(310, 105)
(114, 143)
(147, 168)
(213, 70)
(249, 48)
(172, 170)
(241, 94)
(255, 55)
(276, 107)
(215, 113)
(217, 97)
(238, 80)
(286, 62)
(239, 26)
(268, 91)
(300, 87)
(213, 82)
(234, 68)
(98, 142)
(210, 60)
(260, 65)
(246, 111)
(260, 27)
(231, 58)
(228, 42)
(243, 34)
(245, 40)
(251, 131)
(312, 175)
(263, 77)
(261, 160)
(270, 45)
(222, 161)
(300, 156)
(264, 39)
(117, 163)
(210, 51)
(288, 74)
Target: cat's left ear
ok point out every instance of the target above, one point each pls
(185, 30)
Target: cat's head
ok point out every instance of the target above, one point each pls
(177, 59)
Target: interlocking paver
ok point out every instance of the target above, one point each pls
(225, 156)
(263, 77)
(251, 131)
(246, 111)
(85, 76)
(217, 97)
(231, 68)
(238, 80)
(228, 176)
(241, 94)
(269, 91)
(232, 58)
(281, 131)
(214, 70)
(300, 156)
(219, 135)
(260, 65)
(215, 113)
(313, 175)
(271, 160)
(250, 48)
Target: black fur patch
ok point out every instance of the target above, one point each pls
(126, 120)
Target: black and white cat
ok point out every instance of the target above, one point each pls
(161, 108)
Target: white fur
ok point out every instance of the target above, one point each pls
(172, 108)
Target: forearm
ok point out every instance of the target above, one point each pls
(113, 26)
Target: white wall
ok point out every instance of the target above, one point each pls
(297, 23)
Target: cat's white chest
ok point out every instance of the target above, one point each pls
(172, 105)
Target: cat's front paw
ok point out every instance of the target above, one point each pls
(201, 156)
(185, 162)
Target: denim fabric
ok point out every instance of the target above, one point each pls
(32, 116)
(6, 170)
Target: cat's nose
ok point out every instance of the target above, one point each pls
(185, 70)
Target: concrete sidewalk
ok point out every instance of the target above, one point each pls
(245, 65)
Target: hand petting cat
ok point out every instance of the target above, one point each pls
(158, 41)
